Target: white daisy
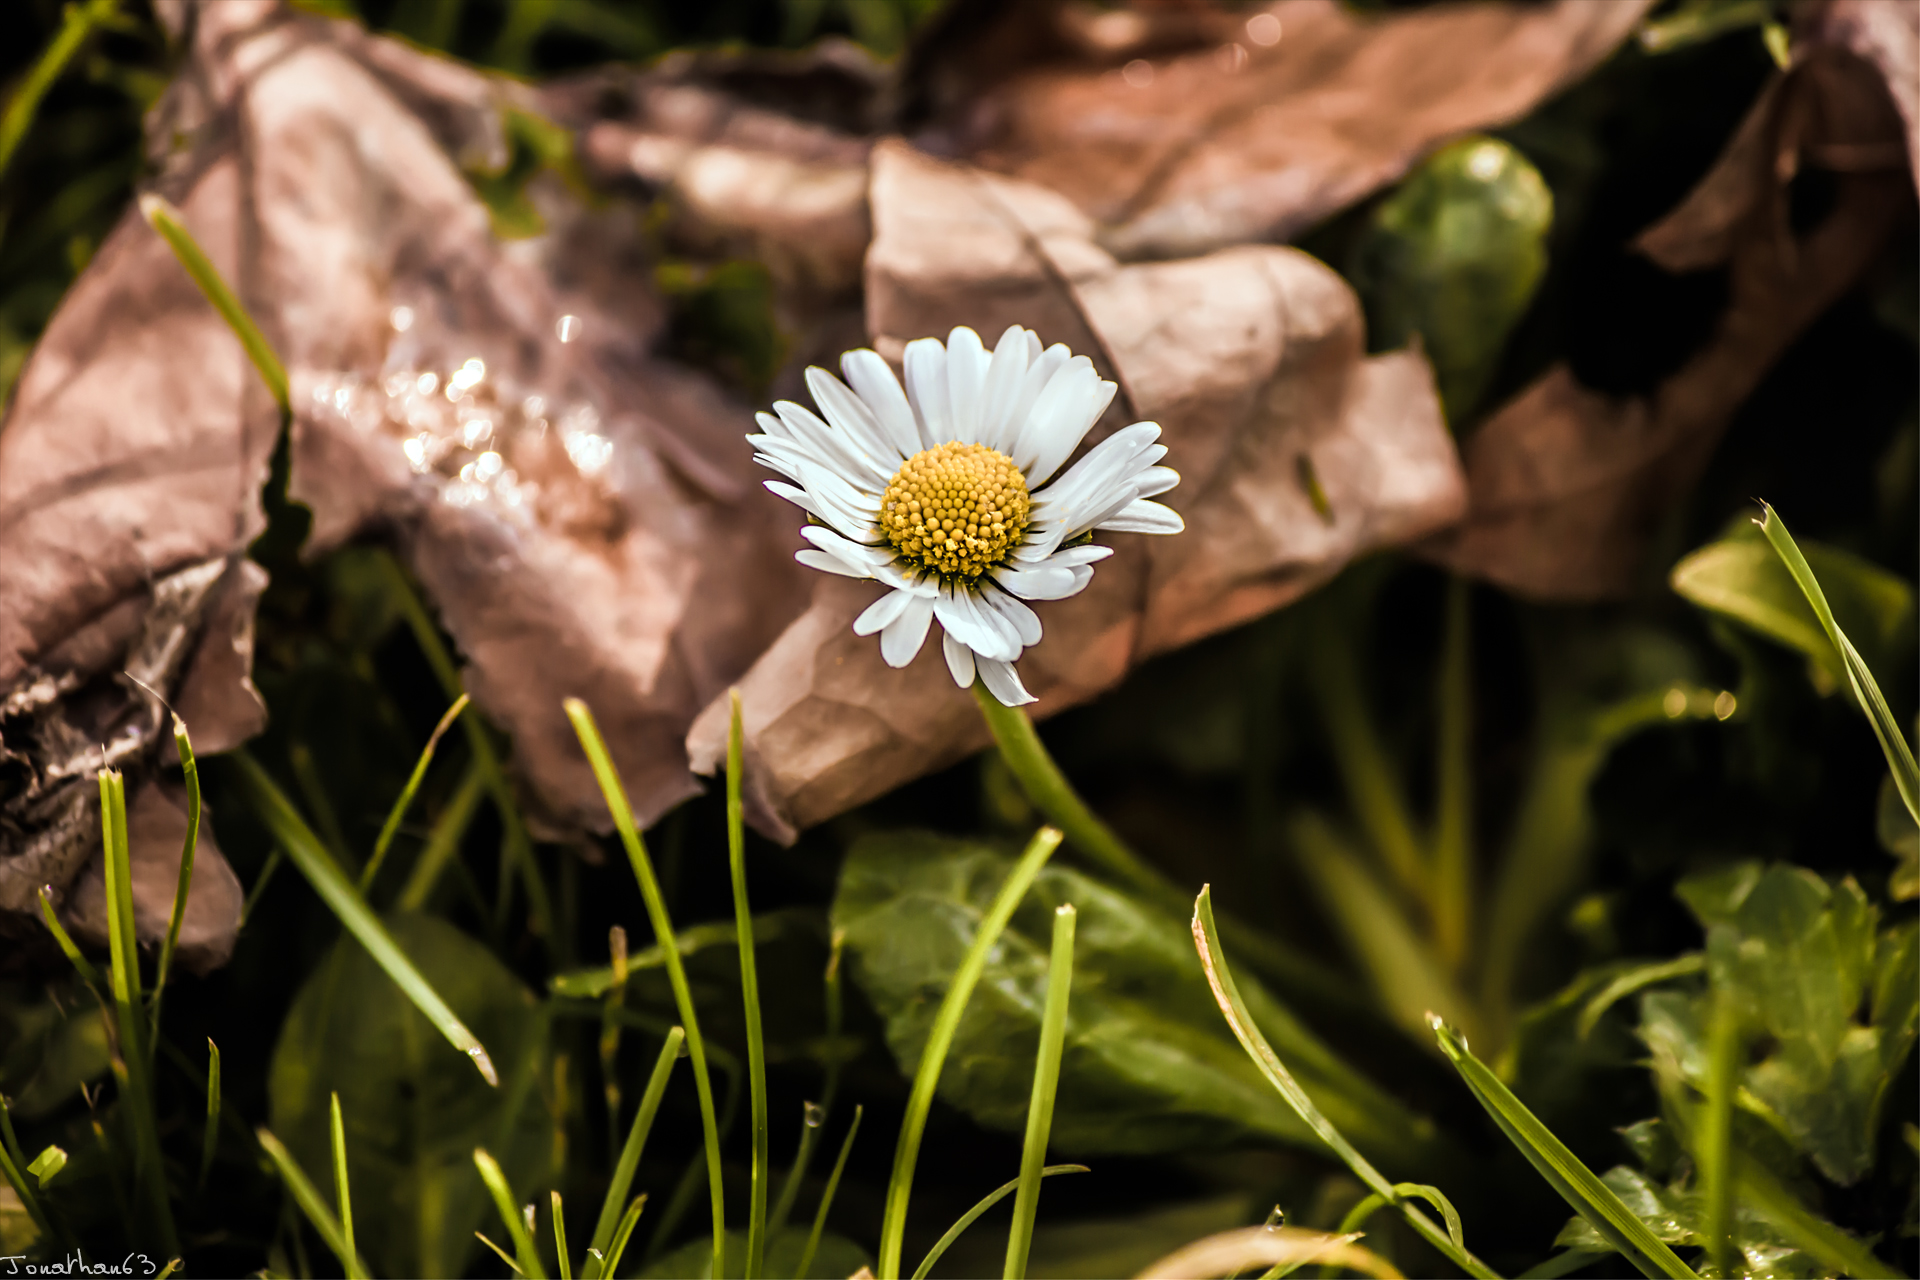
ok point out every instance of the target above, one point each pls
(947, 492)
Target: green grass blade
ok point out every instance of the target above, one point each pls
(1633, 980)
(1374, 792)
(342, 1196)
(78, 24)
(826, 1196)
(275, 856)
(311, 1203)
(616, 797)
(399, 810)
(499, 1253)
(443, 842)
(167, 221)
(560, 1237)
(813, 1119)
(623, 1171)
(1046, 1081)
(1591, 1198)
(1226, 993)
(150, 1175)
(190, 771)
(1804, 1229)
(628, 1221)
(750, 995)
(210, 1140)
(1906, 774)
(610, 1032)
(972, 1215)
(81, 965)
(1714, 1154)
(48, 1163)
(13, 1166)
(523, 1247)
(1453, 784)
(307, 853)
(945, 1023)
(518, 844)
(1050, 792)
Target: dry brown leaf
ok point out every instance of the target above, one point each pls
(1568, 484)
(1264, 124)
(1252, 359)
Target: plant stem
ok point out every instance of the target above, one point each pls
(399, 810)
(946, 1023)
(813, 1121)
(611, 1210)
(826, 1197)
(1452, 902)
(750, 995)
(1046, 1080)
(190, 771)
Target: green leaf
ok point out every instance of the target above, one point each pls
(1740, 577)
(1452, 257)
(414, 1112)
(836, 1256)
(53, 1049)
(48, 1164)
(1590, 1197)
(1147, 1067)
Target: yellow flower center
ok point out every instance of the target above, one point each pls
(956, 509)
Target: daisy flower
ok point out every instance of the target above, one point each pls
(951, 494)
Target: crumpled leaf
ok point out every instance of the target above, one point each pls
(1145, 1069)
(414, 1109)
(1226, 125)
(1568, 484)
(1297, 453)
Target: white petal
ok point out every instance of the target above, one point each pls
(1003, 682)
(772, 426)
(1069, 381)
(846, 549)
(1067, 557)
(833, 448)
(1155, 481)
(1005, 375)
(959, 660)
(901, 639)
(1041, 368)
(846, 411)
(1113, 461)
(1037, 584)
(828, 564)
(873, 381)
(965, 623)
(1082, 575)
(927, 390)
(966, 381)
(1071, 430)
(881, 612)
(1141, 516)
(1026, 623)
(798, 497)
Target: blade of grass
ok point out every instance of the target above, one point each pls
(564, 1262)
(1226, 993)
(616, 797)
(610, 1032)
(81, 965)
(1714, 1154)
(308, 1198)
(150, 1174)
(167, 220)
(1906, 774)
(973, 1215)
(399, 810)
(1803, 1228)
(210, 1140)
(523, 1247)
(591, 984)
(826, 1196)
(443, 841)
(1591, 1198)
(1046, 1081)
(342, 1196)
(629, 1162)
(190, 771)
(1634, 980)
(260, 882)
(517, 843)
(307, 853)
(750, 997)
(13, 1166)
(813, 1119)
(77, 24)
(500, 1253)
(945, 1023)
(628, 1221)
(1050, 792)
(1452, 900)
(1373, 792)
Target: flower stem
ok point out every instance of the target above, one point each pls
(1062, 806)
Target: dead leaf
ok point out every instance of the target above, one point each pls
(1568, 484)
(1262, 125)
(1252, 359)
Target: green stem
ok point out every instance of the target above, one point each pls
(1453, 786)
(1046, 1081)
(443, 841)
(392, 825)
(342, 1194)
(612, 1208)
(750, 994)
(974, 1214)
(78, 25)
(1373, 792)
(813, 1121)
(616, 797)
(934, 1056)
(1715, 1154)
(172, 227)
(190, 771)
(1050, 792)
(826, 1197)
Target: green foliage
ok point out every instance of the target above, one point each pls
(1146, 1067)
(414, 1109)
(1452, 257)
(53, 1048)
(836, 1256)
